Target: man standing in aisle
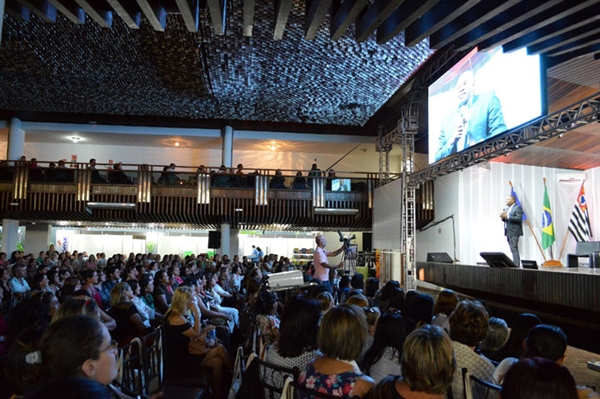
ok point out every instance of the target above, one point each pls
(320, 262)
(512, 216)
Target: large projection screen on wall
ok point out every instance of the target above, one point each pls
(485, 94)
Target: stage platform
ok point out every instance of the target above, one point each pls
(567, 297)
(577, 288)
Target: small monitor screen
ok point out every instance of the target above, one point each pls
(485, 94)
(340, 185)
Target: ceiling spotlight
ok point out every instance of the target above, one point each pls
(75, 139)
(560, 136)
(177, 144)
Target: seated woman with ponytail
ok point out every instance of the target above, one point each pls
(178, 334)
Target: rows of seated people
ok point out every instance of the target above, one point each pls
(64, 316)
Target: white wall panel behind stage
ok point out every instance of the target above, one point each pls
(387, 216)
(477, 195)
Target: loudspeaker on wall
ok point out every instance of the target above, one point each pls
(214, 239)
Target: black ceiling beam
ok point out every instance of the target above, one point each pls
(563, 39)
(586, 42)
(41, 8)
(217, 10)
(475, 22)
(375, 14)
(16, 11)
(556, 28)
(282, 13)
(502, 22)
(553, 61)
(70, 9)
(190, 11)
(100, 16)
(343, 14)
(248, 17)
(543, 18)
(597, 56)
(434, 19)
(401, 18)
(316, 11)
(155, 13)
(131, 17)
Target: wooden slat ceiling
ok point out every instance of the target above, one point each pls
(329, 66)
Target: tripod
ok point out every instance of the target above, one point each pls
(349, 258)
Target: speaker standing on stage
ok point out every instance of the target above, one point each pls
(320, 262)
(512, 216)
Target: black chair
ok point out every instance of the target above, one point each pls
(272, 378)
(130, 368)
(475, 387)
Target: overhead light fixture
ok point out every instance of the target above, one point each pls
(177, 144)
(239, 210)
(75, 139)
(335, 211)
(111, 205)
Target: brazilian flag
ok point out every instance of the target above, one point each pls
(547, 223)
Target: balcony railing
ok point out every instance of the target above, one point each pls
(203, 197)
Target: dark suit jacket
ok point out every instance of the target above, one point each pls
(486, 120)
(513, 225)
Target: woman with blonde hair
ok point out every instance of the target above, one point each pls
(130, 323)
(341, 338)
(179, 331)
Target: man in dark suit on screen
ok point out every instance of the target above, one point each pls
(512, 216)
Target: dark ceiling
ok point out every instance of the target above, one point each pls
(321, 66)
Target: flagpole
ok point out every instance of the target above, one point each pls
(567, 235)
(532, 232)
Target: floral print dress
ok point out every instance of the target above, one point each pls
(341, 384)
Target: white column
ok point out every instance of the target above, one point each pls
(225, 231)
(10, 235)
(16, 139)
(37, 238)
(227, 154)
(234, 243)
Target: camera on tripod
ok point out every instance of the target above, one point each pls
(346, 240)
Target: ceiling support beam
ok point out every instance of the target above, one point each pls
(472, 22)
(41, 8)
(16, 11)
(401, 18)
(248, 17)
(316, 11)
(70, 9)
(282, 13)
(343, 14)
(503, 21)
(587, 42)
(155, 12)
(563, 39)
(434, 19)
(190, 11)
(101, 17)
(218, 10)
(131, 17)
(376, 13)
(566, 24)
(544, 16)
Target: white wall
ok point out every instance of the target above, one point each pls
(354, 162)
(477, 195)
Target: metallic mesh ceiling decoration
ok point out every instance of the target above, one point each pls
(63, 67)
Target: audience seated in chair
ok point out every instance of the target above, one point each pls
(341, 338)
(427, 366)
